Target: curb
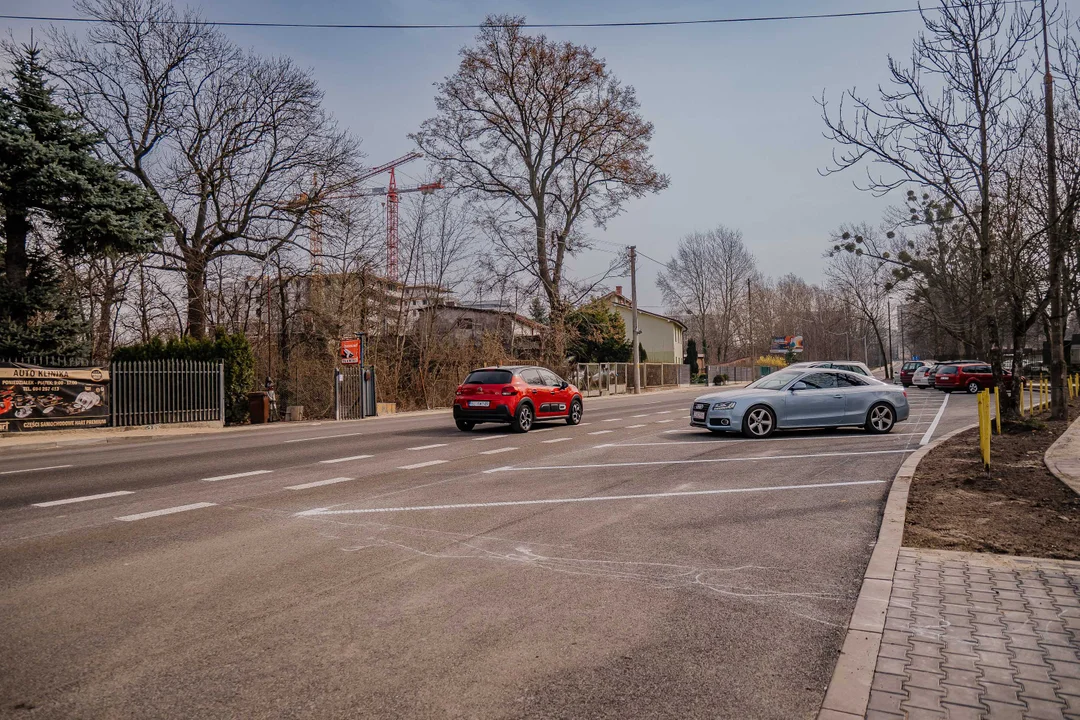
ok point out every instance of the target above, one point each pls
(1056, 466)
(848, 693)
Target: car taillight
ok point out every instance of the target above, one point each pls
(458, 391)
(905, 393)
(509, 390)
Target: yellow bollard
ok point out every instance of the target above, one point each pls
(1031, 398)
(997, 411)
(984, 427)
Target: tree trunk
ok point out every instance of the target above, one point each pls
(16, 263)
(103, 334)
(195, 277)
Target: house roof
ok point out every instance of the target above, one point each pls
(617, 299)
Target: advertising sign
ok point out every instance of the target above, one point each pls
(786, 344)
(47, 398)
(350, 351)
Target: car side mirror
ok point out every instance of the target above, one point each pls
(563, 385)
(798, 386)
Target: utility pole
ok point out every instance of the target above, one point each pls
(750, 317)
(633, 314)
(903, 357)
(1059, 408)
(888, 362)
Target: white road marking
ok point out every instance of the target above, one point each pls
(613, 420)
(661, 422)
(417, 466)
(50, 467)
(933, 426)
(237, 475)
(542, 429)
(84, 498)
(584, 424)
(555, 440)
(591, 498)
(428, 447)
(490, 437)
(324, 437)
(345, 459)
(166, 511)
(720, 443)
(641, 415)
(700, 461)
(665, 412)
(319, 483)
(496, 451)
(601, 432)
(631, 427)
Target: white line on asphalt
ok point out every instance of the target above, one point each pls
(631, 427)
(237, 475)
(50, 467)
(601, 432)
(84, 498)
(496, 451)
(613, 420)
(591, 498)
(933, 426)
(345, 459)
(665, 412)
(166, 511)
(318, 483)
(543, 429)
(584, 424)
(720, 443)
(641, 415)
(417, 466)
(428, 447)
(661, 422)
(555, 440)
(490, 437)
(705, 460)
(324, 437)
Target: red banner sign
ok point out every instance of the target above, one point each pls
(350, 351)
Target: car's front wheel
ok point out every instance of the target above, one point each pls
(576, 411)
(880, 419)
(523, 418)
(465, 425)
(972, 387)
(759, 422)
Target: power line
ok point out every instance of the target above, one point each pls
(537, 26)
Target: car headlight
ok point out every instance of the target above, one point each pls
(724, 405)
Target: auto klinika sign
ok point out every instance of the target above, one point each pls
(48, 398)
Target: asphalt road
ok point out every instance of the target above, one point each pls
(627, 567)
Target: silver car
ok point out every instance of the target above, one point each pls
(802, 398)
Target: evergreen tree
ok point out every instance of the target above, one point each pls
(55, 194)
(598, 334)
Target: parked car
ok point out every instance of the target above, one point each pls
(907, 371)
(801, 398)
(518, 395)
(932, 375)
(921, 377)
(847, 365)
(971, 377)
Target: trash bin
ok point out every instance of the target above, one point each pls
(765, 370)
(259, 407)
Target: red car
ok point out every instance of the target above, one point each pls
(519, 395)
(971, 377)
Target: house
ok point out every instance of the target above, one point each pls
(660, 336)
(469, 323)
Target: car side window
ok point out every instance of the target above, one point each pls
(981, 369)
(844, 380)
(531, 376)
(820, 381)
(550, 379)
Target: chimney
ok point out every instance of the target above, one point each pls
(618, 289)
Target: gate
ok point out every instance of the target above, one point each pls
(354, 393)
(155, 392)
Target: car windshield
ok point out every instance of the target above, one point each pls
(489, 377)
(776, 381)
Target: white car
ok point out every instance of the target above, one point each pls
(852, 366)
(921, 377)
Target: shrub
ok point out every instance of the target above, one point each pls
(720, 379)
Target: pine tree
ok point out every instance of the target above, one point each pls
(55, 195)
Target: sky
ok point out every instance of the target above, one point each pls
(737, 124)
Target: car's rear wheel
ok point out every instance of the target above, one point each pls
(972, 387)
(759, 422)
(523, 418)
(880, 419)
(576, 411)
(465, 425)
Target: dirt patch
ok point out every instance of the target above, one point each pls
(1018, 509)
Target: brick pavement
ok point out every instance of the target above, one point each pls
(973, 635)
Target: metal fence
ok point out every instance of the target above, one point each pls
(354, 393)
(735, 373)
(595, 379)
(155, 392)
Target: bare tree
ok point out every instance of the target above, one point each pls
(859, 281)
(686, 282)
(224, 139)
(546, 135)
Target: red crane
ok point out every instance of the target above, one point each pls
(392, 193)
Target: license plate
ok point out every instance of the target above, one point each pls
(699, 414)
(479, 403)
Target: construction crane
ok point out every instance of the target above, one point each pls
(392, 193)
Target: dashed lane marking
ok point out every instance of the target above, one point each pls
(631, 427)
(428, 447)
(237, 475)
(345, 459)
(661, 422)
(665, 412)
(490, 437)
(417, 466)
(166, 511)
(496, 451)
(641, 415)
(49, 467)
(591, 498)
(700, 461)
(324, 437)
(612, 420)
(319, 483)
(84, 498)
(601, 432)
(555, 440)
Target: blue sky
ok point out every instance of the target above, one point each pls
(737, 126)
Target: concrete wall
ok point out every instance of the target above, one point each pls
(662, 339)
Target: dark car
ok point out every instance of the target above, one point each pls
(970, 377)
(907, 371)
(519, 396)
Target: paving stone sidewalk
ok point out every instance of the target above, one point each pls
(973, 635)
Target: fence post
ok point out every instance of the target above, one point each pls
(997, 410)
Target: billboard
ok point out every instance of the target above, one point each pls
(786, 344)
(47, 398)
(350, 351)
